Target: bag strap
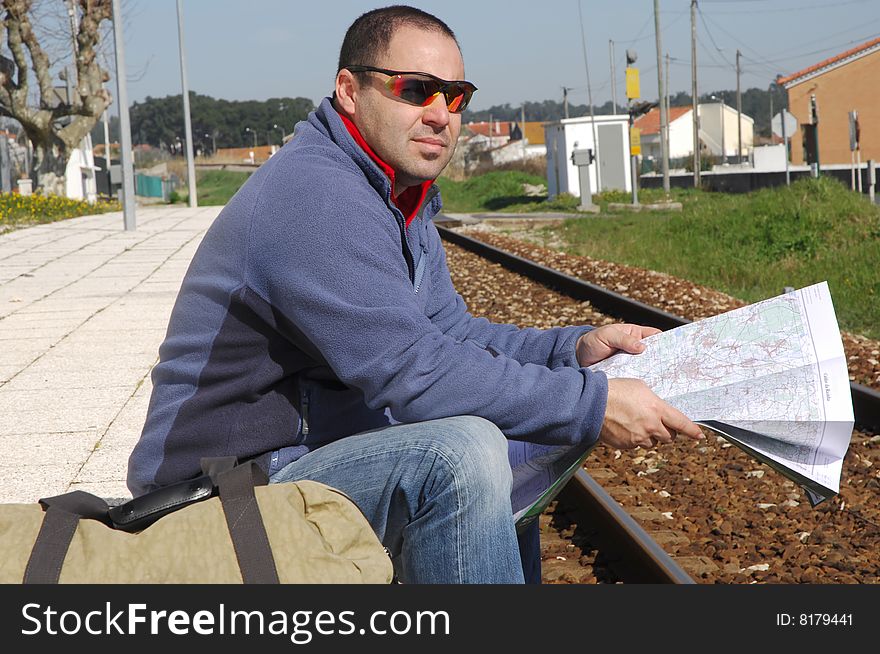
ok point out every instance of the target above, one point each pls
(63, 513)
(245, 522)
(243, 519)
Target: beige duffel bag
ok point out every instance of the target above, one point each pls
(299, 532)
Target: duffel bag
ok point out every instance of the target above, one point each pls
(227, 527)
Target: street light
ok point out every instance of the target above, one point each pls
(248, 129)
(723, 153)
(280, 129)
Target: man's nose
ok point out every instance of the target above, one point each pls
(436, 113)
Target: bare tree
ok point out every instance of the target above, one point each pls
(54, 125)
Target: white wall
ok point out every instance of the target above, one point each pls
(769, 158)
(81, 163)
(513, 151)
(711, 124)
(681, 136)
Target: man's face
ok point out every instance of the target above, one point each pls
(417, 142)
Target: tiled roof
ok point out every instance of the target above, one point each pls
(650, 122)
(828, 62)
(499, 128)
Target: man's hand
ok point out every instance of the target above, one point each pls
(636, 417)
(601, 343)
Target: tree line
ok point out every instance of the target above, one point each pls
(224, 123)
(755, 104)
(215, 122)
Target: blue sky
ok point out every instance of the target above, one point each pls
(515, 50)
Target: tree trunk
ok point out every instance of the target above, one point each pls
(54, 129)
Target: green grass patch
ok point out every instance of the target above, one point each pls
(495, 191)
(216, 187)
(24, 210)
(751, 245)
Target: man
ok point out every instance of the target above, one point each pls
(317, 331)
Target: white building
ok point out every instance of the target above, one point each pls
(79, 175)
(611, 170)
(718, 133)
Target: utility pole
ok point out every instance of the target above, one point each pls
(590, 99)
(613, 77)
(739, 109)
(124, 122)
(666, 100)
(190, 164)
(694, 97)
(664, 125)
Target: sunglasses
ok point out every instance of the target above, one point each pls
(420, 89)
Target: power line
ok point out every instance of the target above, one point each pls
(828, 49)
(709, 33)
(796, 8)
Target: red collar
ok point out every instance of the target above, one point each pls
(411, 199)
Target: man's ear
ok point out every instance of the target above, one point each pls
(347, 89)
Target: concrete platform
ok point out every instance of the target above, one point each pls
(83, 309)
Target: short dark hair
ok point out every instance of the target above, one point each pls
(369, 35)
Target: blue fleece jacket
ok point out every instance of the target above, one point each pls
(310, 312)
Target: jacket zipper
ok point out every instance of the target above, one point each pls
(401, 223)
(420, 272)
(304, 412)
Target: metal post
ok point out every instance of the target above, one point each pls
(613, 77)
(694, 96)
(739, 119)
(596, 152)
(814, 115)
(523, 130)
(859, 167)
(190, 164)
(784, 143)
(565, 99)
(124, 122)
(634, 165)
(872, 179)
(664, 125)
(666, 101)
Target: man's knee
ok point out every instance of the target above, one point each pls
(476, 450)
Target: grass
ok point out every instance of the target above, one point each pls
(495, 191)
(751, 245)
(25, 210)
(216, 187)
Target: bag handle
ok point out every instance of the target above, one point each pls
(245, 522)
(240, 508)
(63, 513)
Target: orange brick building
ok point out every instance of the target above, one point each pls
(849, 81)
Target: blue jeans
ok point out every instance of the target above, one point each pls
(437, 494)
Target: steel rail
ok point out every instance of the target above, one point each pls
(866, 401)
(644, 561)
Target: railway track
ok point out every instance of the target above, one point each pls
(686, 512)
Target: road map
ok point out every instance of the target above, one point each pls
(770, 377)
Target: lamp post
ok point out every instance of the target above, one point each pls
(248, 129)
(280, 129)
